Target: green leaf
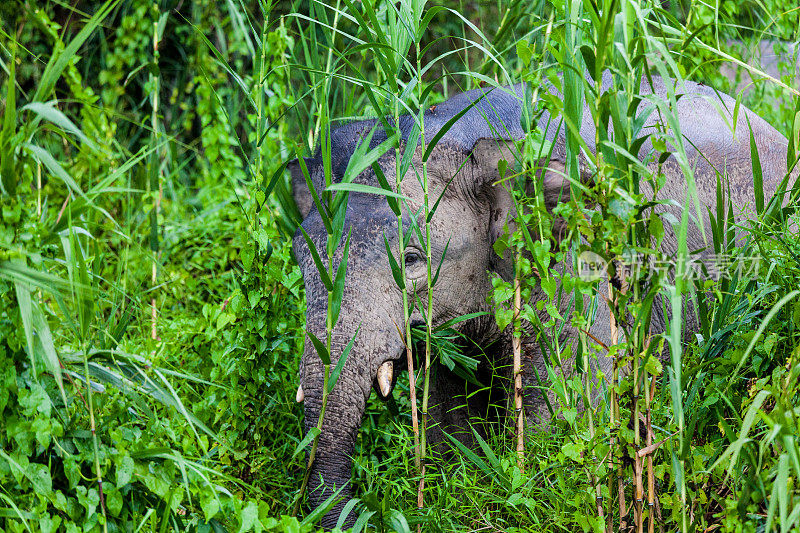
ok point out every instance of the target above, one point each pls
(319, 346)
(367, 189)
(26, 312)
(340, 363)
(48, 112)
(449, 124)
(397, 273)
(524, 52)
(312, 434)
(346, 510)
(384, 183)
(359, 162)
(588, 57)
(758, 178)
(573, 450)
(55, 168)
(113, 498)
(321, 209)
(398, 522)
(37, 474)
(338, 284)
(124, 471)
(322, 508)
(362, 521)
(441, 262)
(209, 503)
(59, 61)
(459, 319)
(323, 272)
(764, 323)
(490, 456)
(8, 176)
(498, 475)
(48, 345)
(249, 517)
(430, 12)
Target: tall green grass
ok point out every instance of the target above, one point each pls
(122, 306)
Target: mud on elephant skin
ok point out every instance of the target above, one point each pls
(471, 216)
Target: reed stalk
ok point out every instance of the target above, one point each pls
(428, 256)
(412, 379)
(516, 341)
(649, 392)
(155, 175)
(332, 241)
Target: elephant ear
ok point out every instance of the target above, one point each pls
(487, 153)
(300, 191)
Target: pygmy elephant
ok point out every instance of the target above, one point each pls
(472, 214)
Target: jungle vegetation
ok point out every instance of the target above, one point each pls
(152, 315)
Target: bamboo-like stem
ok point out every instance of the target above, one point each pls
(429, 274)
(325, 393)
(329, 324)
(313, 453)
(38, 190)
(615, 413)
(516, 342)
(421, 488)
(637, 461)
(92, 428)
(154, 310)
(260, 125)
(155, 179)
(412, 379)
(409, 342)
(649, 391)
(587, 398)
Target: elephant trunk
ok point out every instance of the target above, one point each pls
(332, 467)
(366, 322)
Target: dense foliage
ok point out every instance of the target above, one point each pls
(151, 314)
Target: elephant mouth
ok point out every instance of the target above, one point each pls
(386, 376)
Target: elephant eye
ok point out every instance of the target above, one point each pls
(413, 259)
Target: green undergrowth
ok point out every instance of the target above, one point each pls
(117, 155)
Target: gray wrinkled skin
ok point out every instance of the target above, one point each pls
(471, 216)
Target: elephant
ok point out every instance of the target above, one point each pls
(472, 215)
(771, 57)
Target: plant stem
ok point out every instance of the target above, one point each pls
(412, 380)
(516, 343)
(649, 388)
(92, 428)
(428, 261)
(313, 453)
(331, 242)
(328, 62)
(38, 190)
(155, 177)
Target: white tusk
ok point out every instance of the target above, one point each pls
(300, 394)
(385, 373)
